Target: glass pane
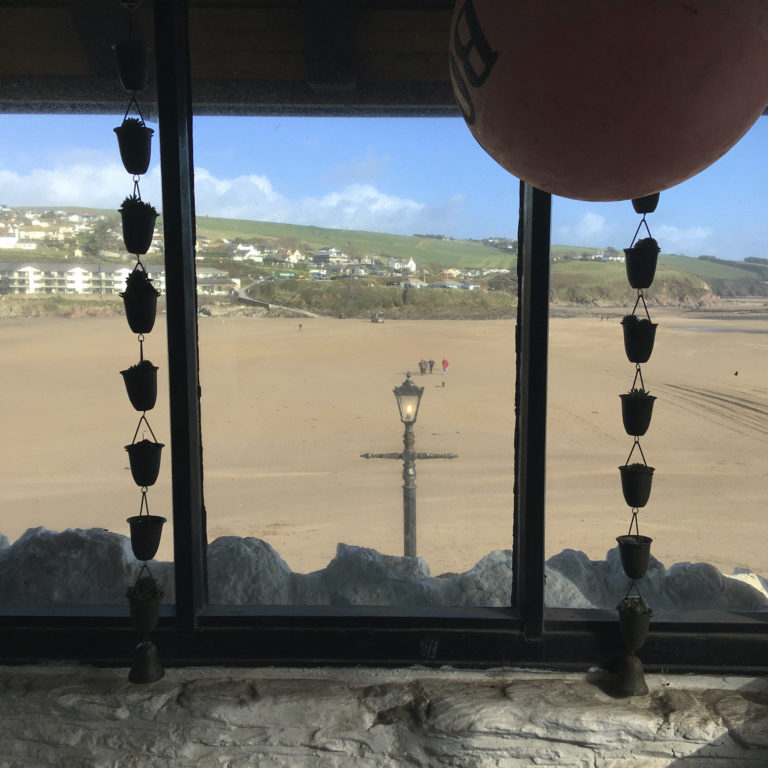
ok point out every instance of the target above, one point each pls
(707, 369)
(353, 238)
(65, 484)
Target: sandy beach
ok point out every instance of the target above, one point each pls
(287, 413)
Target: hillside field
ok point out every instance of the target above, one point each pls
(423, 250)
(682, 279)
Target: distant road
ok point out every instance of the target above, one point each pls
(244, 298)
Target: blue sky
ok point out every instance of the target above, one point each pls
(392, 175)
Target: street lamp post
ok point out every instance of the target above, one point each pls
(408, 396)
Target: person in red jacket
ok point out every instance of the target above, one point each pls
(445, 366)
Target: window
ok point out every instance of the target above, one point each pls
(67, 417)
(298, 78)
(706, 437)
(293, 395)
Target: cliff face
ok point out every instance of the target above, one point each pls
(672, 290)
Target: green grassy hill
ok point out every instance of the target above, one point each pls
(594, 282)
(724, 278)
(684, 278)
(460, 253)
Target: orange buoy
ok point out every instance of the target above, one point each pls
(609, 99)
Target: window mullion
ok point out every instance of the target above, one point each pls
(175, 112)
(531, 406)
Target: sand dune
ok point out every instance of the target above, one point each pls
(287, 413)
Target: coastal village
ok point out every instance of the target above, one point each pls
(79, 252)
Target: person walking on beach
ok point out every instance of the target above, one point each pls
(431, 365)
(422, 367)
(445, 366)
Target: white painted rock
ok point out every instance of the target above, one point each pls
(94, 566)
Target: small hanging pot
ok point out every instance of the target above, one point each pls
(636, 483)
(138, 224)
(141, 385)
(146, 531)
(636, 411)
(646, 204)
(145, 614)
(639, 336)
(635, 552)
(634, 620)
(144, 458)
(135, 142)
(144, 599)
(132, 64)
(140, 301)
(640, 261)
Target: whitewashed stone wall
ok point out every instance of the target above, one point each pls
(81, 717)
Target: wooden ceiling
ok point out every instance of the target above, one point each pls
(248, 56)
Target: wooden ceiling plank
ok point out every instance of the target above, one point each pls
(98, 25)
(247, 66)
(217, 38)
(266, 20)
(366, 55)
(404, 67)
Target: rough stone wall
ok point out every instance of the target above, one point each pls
(81, 717)
(45, 566)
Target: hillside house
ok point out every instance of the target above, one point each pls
(9, 237)
(217, 286)
(248, 253)
(412, 282)
(401, 265)
(451, 284)
(328, 255)
(295, 256)
(36, 232)
(279, 258)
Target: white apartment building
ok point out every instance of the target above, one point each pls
(55, 278)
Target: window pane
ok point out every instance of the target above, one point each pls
(318, 214)
(65, 484)
(707, 370)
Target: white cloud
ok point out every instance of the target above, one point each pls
(355, 206)
(79, 183)
(690, 240)
(589, 229)
(359, 206)
(244, 197)
(90, 180)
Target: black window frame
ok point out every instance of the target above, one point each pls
(194, 632)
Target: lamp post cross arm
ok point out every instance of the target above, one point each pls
(416, 455)
(381, 455)
(435, 455)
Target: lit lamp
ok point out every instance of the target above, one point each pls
(408, 397)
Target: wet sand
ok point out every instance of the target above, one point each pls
(287, 413)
